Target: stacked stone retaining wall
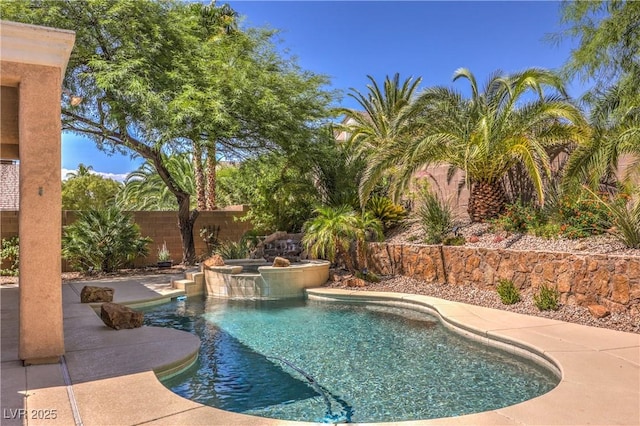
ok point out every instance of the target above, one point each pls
(582, 279)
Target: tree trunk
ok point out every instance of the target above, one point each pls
(486, 201)
(186, 221)
(199, 175)
(211, 177)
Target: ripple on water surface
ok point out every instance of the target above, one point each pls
(314, 361)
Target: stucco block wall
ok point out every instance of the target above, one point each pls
(160, 227)
(163, 226)
(581, 279)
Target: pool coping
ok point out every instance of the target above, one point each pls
(599, 368)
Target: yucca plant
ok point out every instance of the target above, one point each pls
(385, 210)
(625, 215)
(103, 240)
(436, 217)
(232, 250)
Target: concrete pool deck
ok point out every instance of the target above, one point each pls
(107, 377)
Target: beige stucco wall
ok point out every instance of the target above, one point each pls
(33, 62)
(41, 335)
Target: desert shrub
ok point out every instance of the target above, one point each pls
(368, 276)
(584, 216)
(10, 253)
(454, 240)
(103, 240)
(547, 298)
(386, 211)
(436, 217)
(508, 292)
(518, 217)
(547, 230)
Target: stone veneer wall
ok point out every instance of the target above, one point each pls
(581, 279)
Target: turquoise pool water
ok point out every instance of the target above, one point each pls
(325, 362)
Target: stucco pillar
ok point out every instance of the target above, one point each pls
(40, 217)
(34, 60)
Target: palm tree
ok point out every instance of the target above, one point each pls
(81, 172)
(385, 119)
(330, 233)
(616, 133)
(145, 190)
(512, 121)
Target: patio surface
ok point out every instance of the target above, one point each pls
(107, 376)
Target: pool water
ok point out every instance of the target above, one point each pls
(329, 362)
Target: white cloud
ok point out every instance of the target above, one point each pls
(120, 177)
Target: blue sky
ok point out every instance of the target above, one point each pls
(352, 39)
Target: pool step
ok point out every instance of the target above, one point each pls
(193, 284)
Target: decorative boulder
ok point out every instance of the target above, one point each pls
(92, 294)
(119, 316)
(281, 262)
(215, 260)
(598, 311)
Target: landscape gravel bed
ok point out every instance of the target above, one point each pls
(490, 299)
(486, 237)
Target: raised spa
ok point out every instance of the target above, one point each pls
(336, 362)
(256, 279)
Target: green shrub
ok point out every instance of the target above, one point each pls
(584, 217)
(547, 298)
(454, 240)
(368, 276)
(519, 218)
(509, 293)
(436, 217)
(385, 210)
(547, 230)
(10, 252)
(103, 240)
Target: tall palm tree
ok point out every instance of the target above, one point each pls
(385, 118)
(511, 121)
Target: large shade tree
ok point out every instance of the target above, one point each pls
(608, 37)
(512, 120)
(137, 64)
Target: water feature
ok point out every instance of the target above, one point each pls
(324, 362)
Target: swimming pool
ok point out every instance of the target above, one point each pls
(316, 361)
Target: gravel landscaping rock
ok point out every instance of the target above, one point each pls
(485, 237)
(490, 299)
